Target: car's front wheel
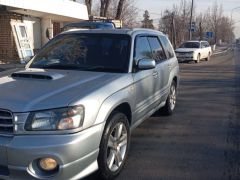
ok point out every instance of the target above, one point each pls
(114, 146)
(198, 58)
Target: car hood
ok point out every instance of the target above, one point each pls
(38, 89)
(186, 49)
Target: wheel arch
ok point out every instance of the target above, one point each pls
(124, 108)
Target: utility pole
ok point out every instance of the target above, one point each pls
(190, 29)
(200, 31)
(173, 31)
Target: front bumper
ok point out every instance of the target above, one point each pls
(185, 58)
(76, 154)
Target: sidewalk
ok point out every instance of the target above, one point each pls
(221, 49)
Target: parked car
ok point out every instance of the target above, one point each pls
(71, 110)
(194, 51)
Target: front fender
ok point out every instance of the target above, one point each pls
(126, 95)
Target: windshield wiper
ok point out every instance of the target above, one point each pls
(62, 66)
(104, 69)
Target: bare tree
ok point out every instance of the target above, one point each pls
(89, 6)
(104, 7)
(147, 22)
(120, 9)
(181, 19)
(212, 20)
(129, 13)
(216, 16)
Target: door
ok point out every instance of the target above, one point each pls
(146, 81)
(168, 64)
(204, 50)
(25, 51)
(161, 62)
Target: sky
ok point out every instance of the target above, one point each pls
(157, 6)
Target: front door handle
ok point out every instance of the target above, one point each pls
(170, 66)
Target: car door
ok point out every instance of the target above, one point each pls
(146, 81)
(160, 57)
(167, 65)
(208, 48)
(204, 52)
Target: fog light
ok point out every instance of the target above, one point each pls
(48, 164)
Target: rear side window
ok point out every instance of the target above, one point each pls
(167, 46)
(142, 49)
(206, 44)
(157, 50)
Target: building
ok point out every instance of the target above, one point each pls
(26, 25)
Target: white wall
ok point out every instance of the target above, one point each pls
(63, 8)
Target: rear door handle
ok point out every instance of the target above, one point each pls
(155, 74)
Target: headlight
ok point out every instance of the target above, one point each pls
(56, 119)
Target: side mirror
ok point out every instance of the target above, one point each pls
(145, 64)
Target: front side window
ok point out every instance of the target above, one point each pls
(157, 50)
(142, 49)
(90, 52)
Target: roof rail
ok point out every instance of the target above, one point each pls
(116, 23)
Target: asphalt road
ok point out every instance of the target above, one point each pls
(201, 140)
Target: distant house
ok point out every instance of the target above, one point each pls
(26, 25)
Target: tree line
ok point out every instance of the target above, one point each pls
(175, 22)
(124, 10)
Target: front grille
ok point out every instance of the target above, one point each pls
(6, 122)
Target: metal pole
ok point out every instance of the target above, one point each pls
(190, 29)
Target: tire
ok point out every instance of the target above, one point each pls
(171, 101)
(198, 58)
(209, 57)
(114, 146)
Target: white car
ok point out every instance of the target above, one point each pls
(194, 51)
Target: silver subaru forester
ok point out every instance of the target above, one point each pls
(71, 110)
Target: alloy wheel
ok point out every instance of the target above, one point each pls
(173, 97)
(117, 146)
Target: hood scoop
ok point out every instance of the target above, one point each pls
(36, 75)
(31, 76)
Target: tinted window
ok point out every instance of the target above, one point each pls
(142, 49)
(100, 52)
(157, 50)
(167, 46)
(190, 45)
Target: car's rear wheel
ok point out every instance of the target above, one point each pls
(114, 146)
(209, 57)
(171, 100)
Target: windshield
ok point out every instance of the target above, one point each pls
(190, 45)
(89, 52)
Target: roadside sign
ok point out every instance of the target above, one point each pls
(192, 27)
(209, 35)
